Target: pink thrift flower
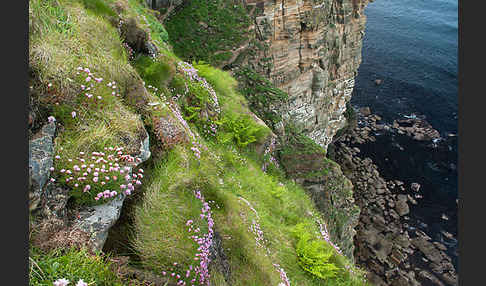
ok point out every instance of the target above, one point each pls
(81, 283)
(95, 179)
(88, 79)
(61, 282)
(51, 169)
(73, 114)
(51, 119)
(87, 188)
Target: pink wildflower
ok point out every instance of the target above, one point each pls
(81, 283)
(61, 282)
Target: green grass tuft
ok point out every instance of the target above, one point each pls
(99, 7)
(71, 264)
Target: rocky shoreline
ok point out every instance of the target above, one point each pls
(387, 243)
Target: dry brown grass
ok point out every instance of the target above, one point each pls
(53, 233)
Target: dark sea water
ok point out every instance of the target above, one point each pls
(412, 46)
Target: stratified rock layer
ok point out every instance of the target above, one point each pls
(311, 50)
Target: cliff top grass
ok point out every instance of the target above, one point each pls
(208, 30)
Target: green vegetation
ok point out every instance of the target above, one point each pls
(240, 129)
(314, 254)
(261, 94)
(99, 7)
(207, 30)
(296, 141)
(154, 72)
(71, 264)
(156, 29)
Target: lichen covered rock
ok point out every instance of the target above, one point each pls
(41, 151)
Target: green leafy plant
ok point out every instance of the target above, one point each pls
(240, 129)
(314, 254)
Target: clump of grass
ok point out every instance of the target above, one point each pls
(66, 36)
(99, 7)
(70, 264)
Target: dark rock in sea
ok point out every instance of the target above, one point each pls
(365, 111)
(415, 187)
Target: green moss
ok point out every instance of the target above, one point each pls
(71, 264)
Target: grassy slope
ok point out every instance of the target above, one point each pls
(73, 34)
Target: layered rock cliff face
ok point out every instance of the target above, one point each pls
(313, 51)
